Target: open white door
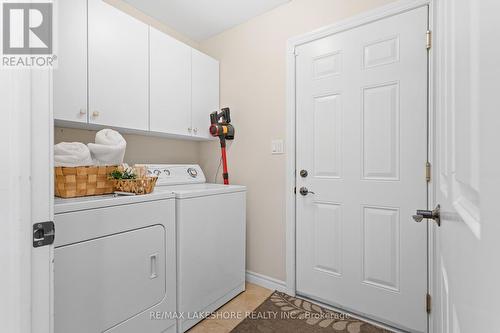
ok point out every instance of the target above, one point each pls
(467, 130)
(42, 200)
(26, 198)
(15, 247)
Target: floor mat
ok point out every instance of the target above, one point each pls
(281, 313)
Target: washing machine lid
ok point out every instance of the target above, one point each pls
(201, 190)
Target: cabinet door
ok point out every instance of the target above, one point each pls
(205, 92)
(118, 68)
(70, 75)
(170, 85)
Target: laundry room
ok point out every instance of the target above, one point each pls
(249, 166)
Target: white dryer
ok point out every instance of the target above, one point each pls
(115, 264)
(211, 225)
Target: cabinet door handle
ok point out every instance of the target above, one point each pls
(95, 114)
(195, 131)
(83, 112)
(153, 266)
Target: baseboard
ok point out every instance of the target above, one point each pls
(266, 281)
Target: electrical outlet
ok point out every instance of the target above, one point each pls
(277, 147)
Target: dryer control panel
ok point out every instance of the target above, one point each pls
(176, 174)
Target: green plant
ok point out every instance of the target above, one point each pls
(117, 174)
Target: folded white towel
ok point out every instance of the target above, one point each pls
(109, 147)
(109, 137)
(72, 154)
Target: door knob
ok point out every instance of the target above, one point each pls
(303, 173)
(434, 214)
(304, 191)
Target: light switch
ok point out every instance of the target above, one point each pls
(277, 147)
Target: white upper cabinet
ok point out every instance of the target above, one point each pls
(70, 76)
(114, 70)
(205, 92)
(170, 85)
(118, 68)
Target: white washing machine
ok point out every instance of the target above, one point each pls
(115, 264)
(210, 224)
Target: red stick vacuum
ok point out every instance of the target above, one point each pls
(221, 127)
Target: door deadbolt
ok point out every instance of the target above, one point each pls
(303, 173)
(434, 214)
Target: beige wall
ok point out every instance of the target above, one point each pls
(141, 149)
(253, 81)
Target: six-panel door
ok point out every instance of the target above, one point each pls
(362, 137)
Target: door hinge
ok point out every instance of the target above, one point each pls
(295, 190)
(44, 233)
(428, 171)
(428, 303)
(428, 39)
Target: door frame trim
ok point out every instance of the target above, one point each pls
(376, 14)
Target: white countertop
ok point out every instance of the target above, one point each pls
(99, 201)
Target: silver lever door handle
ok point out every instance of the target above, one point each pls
(304, 191)
(434, 214)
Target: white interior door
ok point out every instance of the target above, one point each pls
(41, 183)
(467, 243)
(15, 207)
(362, 138)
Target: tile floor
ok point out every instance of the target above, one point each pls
(231, 314)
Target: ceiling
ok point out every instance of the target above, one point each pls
(201, 19)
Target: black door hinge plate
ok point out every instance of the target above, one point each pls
(43, 233)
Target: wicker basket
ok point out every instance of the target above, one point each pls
(71, 182)
(144, 185)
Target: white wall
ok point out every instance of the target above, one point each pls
(253, 81)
